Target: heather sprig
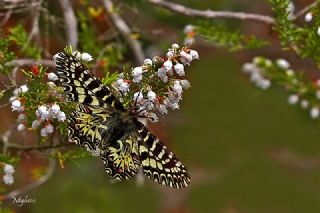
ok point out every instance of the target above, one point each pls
(158, 84)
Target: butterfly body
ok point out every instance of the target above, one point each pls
(100, 122)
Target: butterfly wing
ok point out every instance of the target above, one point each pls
(158, 163)
(81, 85)
(85, 125)
(88, 127)
(121, 159)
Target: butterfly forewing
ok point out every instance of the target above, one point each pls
(81, 85)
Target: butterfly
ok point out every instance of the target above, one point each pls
(100, 122)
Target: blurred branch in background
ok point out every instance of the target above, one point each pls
(33, 185)
(125, 31)
(210, 14)
(71, 22)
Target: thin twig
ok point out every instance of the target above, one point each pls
(33, 185)
(212, 14)
(305, 9)
(125, 32)
(39, 148)
(71, 22)
(29, 61)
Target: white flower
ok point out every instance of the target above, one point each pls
(264, 84)
(16, 105)
(35, 124)
(49, 128)
(43, 132)
(188, 41)
(21, 127)
(151, 96)
(177, 88)
(124, 87)
(42, 112)
(51, 84)
(185, 84)
(137, 74)
(175, 46)
(167, 65)
(52, 76)
(147, 62)
(55, 57)
(137, 71)
(8, 179)
(8, 169)
(120, 81)
(186, 59)
(308, 17)
(255, 77)
(248, 67)
(162, 75)
(42, 109)
(314, 112)
(24, 88)
(290, 72)
(318, 31)
(21, 117)
(55, 108)
(170, 54)
(77, 54)
(162, 109)
(12, 98)
(194, 54)
(86, 57)
(293, 99)
(173, 105)
(138, 96)
(179, 68)
(188, 28)
(304, 104)
(152, 117)
(16, 92)
(283, 63)
(183, 53)
(61, 116)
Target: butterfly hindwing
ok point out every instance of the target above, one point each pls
(121, 159)
(158, 163)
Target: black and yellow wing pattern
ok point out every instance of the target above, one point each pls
(100, 122)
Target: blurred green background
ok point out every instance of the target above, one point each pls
(247, 150)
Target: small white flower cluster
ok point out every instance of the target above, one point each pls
(308, 17)
(169, 70)
(256, 74)
(16, 104)
(8, 174)
(46, 113)
(189, 31)
(314, 110)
